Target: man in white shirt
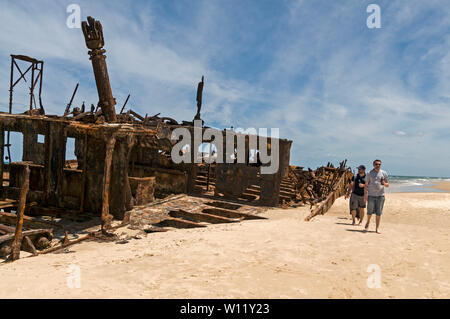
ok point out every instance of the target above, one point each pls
(376, 181)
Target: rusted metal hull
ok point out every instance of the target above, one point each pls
(124, 161)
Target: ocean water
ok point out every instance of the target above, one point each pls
(414, 184)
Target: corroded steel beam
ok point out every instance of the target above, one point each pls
(20, 210)
(93, 35)
(106, 217)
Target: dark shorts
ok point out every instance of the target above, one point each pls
(357, 201)
(375, 205)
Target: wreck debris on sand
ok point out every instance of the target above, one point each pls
(123, 173)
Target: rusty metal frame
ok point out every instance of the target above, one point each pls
(37, 71)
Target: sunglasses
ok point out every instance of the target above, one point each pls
(377, 164)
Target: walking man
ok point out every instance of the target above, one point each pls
(356, 194)
(376, 181)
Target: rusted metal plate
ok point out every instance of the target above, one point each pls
(203, 217)
(142, 189)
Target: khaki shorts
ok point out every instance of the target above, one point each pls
(357, 201)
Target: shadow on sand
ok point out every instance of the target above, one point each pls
(361, 230)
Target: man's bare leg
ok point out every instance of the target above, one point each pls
(378, 224)
(361, 216)
(368, 222)
(353, 216)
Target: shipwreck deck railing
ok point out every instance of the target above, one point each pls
(339, 189)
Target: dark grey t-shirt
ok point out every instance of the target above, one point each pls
(373, 181)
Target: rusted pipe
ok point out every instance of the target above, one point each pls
(106, 217)
(20, 211)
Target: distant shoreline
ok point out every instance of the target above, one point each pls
(417, 184)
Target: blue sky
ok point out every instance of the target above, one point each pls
(309, 67)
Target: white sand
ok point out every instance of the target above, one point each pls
(282, 257)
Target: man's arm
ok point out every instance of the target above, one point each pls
(366, 189)
(350, 189)
(385, 180)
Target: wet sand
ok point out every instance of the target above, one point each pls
(282, 257)
(443, 186)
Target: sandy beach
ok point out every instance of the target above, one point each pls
(281, 257)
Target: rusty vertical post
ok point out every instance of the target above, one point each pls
(32, 86)
(55, 150)
(40, 86)
(11, 91)
(106, 217)
(20, 210)
(11, 85)
(127, 191)
(120, 194)
(93, 34)
(83, 178)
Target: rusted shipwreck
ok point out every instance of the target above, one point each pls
(123, 160)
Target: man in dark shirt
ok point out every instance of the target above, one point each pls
(356, 194)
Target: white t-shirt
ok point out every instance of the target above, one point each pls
(373, 180)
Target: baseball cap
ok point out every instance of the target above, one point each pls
(361, 167)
